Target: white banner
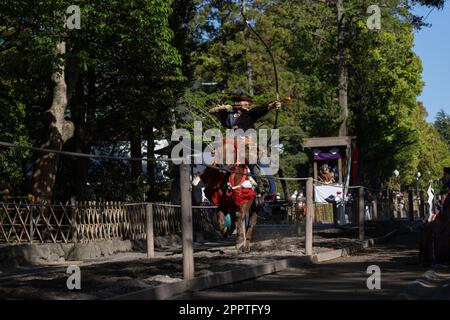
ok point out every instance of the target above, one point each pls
(321, 192)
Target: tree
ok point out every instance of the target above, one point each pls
(38, 32)
(442, 125)
(133, 79)
(119, 70)
(122, 73)
(433, 153)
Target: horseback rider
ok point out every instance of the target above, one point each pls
(241, 115)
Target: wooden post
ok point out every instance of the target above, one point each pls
(315, 170)
(342, 67)
(186, 222)
(411, 204)
(361, 213)
(389, 204)
(340, 170)
(335, 214)
(355, 209)
(422, 207)
(149, 229)
(375, 209)
(74, 228)
(309, 217)
(31, 224)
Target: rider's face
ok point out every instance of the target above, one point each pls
(243, 104)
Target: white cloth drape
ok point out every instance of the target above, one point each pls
(321, 192)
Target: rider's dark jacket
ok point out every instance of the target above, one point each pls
(242, 119)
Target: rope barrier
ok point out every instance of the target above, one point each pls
(289, 179)
(86, 155)
(95, 156)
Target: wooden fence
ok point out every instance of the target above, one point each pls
(90, 221)
(377, 207)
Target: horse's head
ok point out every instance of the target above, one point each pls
(212, 176)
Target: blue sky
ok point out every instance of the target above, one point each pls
(432, 44)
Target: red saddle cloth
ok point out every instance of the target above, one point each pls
(231, 199)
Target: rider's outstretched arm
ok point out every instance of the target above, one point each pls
(258, 112)
(220, 108)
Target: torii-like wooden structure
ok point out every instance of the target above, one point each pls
(343, 142)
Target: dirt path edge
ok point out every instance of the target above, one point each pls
(166, 291)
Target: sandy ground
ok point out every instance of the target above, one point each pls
(343, 278)
(127, 272)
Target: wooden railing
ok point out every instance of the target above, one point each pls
(91, 221)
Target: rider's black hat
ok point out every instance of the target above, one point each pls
(240, 95)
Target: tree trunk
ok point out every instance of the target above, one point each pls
(43, 180)
(79, 114)
(343, 72)
(251, 90)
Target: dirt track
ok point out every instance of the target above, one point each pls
(343, 278)
(133, 271)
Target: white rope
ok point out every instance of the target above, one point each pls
(87, 155)
(289, 178)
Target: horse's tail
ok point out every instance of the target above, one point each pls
(257, 205)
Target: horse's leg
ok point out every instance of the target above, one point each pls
(241, 236)
(221, 221)
(252, 223)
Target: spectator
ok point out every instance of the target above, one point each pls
(435, 236)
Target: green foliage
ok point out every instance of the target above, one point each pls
(12, 129)
(442, 125)
(127, 70)
(384, 77)
(133, 61)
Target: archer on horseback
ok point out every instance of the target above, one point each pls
(241, 115)
(232, 187)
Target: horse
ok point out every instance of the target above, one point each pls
(230, 188)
